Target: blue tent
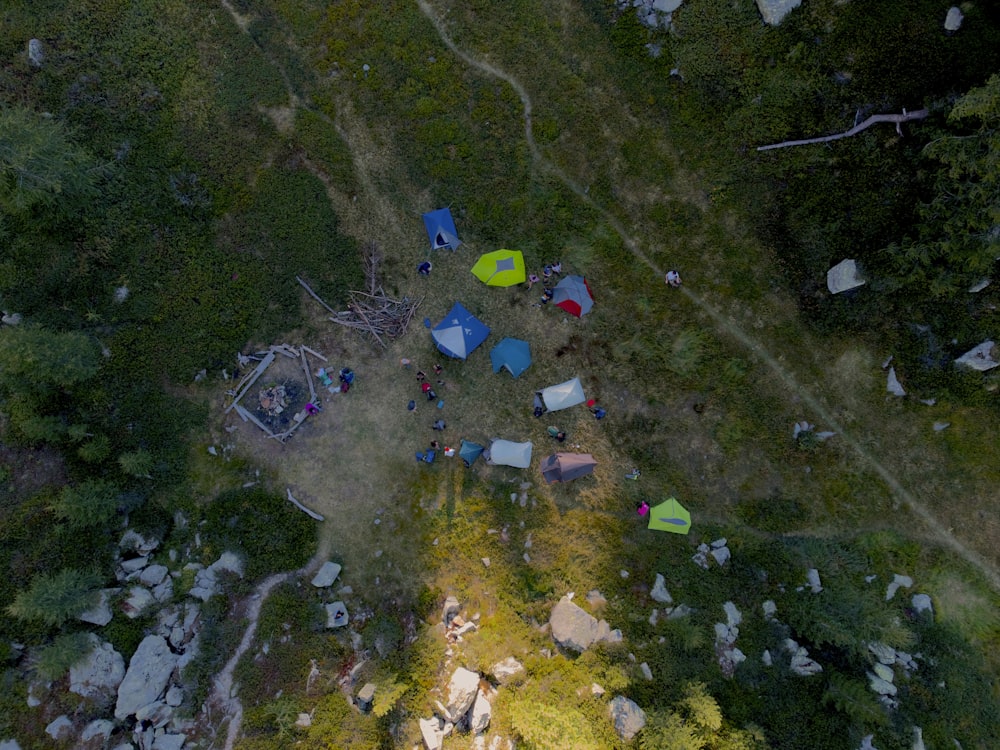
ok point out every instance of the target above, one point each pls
(459, 333)
(470, 452)
(513, 355)
(441, 229)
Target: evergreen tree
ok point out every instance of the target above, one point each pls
(32, 357)
(54, 599)
(91, 503)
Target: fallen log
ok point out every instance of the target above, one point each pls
(314, 295)
(304, 509)
(919, 114)
(251, 379)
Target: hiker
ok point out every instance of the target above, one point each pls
(424, 269)
(642, 508)
(347, 376)
(557, 267)
(421, 375)
(532, 280)
(438, 369)
(435, 445)
(425, 387)
(431, 395)
(599, 413)
(438, 425)
(405, 363)
(547, 273)
(546, 295)
(557, 434)
(539, 405)
(673, 278)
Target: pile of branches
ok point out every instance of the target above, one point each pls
(373, 312)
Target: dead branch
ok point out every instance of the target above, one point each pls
(250, 379)
(304, 509)
(314, 295)
(919, 114)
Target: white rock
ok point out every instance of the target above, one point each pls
(169, 742)
(953, 22)
(174, 697)
(812, 577)
(148, 672)
(659, 592)
(139, 599)
(766, 658)
(462, 691)
(504, 670)
(430, 730)
(897, 582)
(59, 728)
(982, 283)
(844, 276)
(892, 384)
(623, 573)
(880, 686)
(480, 714)
(304, 721)
(733, 616)
(720, 543)
(596, 689)
(938, 426)
(770, 609)
(336, 615)
(101, 613)
(721, 555)
(153, 575)
(97, 728)
(486, 562)
(36, 56)
(646, 671)
(681, 610)
(326, 575)
(981, 358)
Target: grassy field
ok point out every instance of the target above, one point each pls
(543, 131)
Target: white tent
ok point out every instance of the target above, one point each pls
(506, 453)
(563, 396)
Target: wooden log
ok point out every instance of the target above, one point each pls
(304, 509)
(261, 367)
(314, 295)
(313, 352)
(309, 377)
(247, 415)
(919, 114)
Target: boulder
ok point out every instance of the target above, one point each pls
(36, 56)
(981, 358)
(721, 554)
(504, 670)
(155, 714)
(326, 575)
(59, 728)
(884, 672)
(99, 674)
(880, 686)
(922, 603)
(138, 600)
(892, 384)
(100, 614)
(462, 691)
(153, 575)
(450, 609)
(952, 20)
(336, 615)
(365, 697)
(812, 577)
(733, 616)
(572, 627)
(770, 609)
(844, 276)
(659, 592)
(174, 696)
(627, 717)
(774, 11)
(9, 745)
(430, 730)
(98, 729)
(148, 672)
(897, 582)
(480, 715)
(134, 541)
(169, 742)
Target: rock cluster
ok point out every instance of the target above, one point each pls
(717, 550)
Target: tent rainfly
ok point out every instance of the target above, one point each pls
(573, 295)
(500, 268)
(563, 396)
(459, 333)
(670, 516)
(513, 355)
(441, 229)
(469, 452)
(506, 453)
(565, 467)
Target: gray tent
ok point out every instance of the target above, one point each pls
(507, 453)
(563, 396)
(564, 467)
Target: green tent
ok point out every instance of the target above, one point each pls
(670, 516)
(500, 268)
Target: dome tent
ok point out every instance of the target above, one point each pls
(459, 333)
(500, 268)
(441, 229)
(507, 453)
(513, 355)
(565, 467)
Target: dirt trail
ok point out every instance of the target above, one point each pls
(725, 325)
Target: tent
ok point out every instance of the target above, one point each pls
(573, 295)
(564, 467)
(506, 453)
(469, 452)
(441, 229)
(513, 355)
(670, 516)
(500, 268)
(459, 333)
(563, 396)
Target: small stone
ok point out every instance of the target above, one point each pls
(953, 22)
(646, 671)
(486, 561)
(938, 426)
(623, 573)
(812, 577)
(654, 616)
(59, 728)
(36, 56)
(892, 384)
(720, 543)
(596, 690)
(659, 592)
(922, 603)
(304, 721)
(766, 658)
(721, 555)
(770, 609)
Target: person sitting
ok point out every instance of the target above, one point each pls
(431, 395)
(557, 267)
(598, 412)
(546, 295)
(673, 278)
(424, 269)
(347, 375)
(557, 434)
(532, 280)
(547, 273)
(425, 387)
(438, 425)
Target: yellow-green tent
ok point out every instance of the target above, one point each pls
(670, 516)
(500, 268)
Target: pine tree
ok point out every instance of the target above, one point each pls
(54, 599)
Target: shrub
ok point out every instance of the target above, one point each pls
(54, 599)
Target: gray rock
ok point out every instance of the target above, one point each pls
(134, 564)
(153, 575)
(766, 658)
(504, 670)
(721, 555)
(169, 742)
(572, 627)
(59, 728)
(97, 729)
(952, 22)
(596, 599)
(700, 558)
(326, 575)
(646, 671)
(884, 654)
(174, 697)
(884, 672)
(666, 6)
(812, 577)
(430, 730)
(733, 616)
(36, 56)
(12, 319)
(336, 615)
(922, 603)
(770, 609)
(450, 609)
(480, 714)
(101, 613)
(659, 592)
(304, 721)
(627, 717)
(880, 686)
(164, 591)
(720, 543)
(897, 582)
(99, 674)
(866, 743)
(918, 739)
(462, 691)
(155, 714)
(681, 610)
(981, 358)
(136, 542)
(228, 562)
(892, 384)
(9, 745)
(148, 672)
